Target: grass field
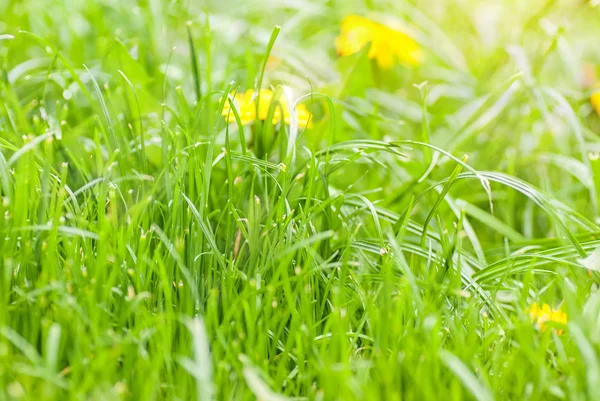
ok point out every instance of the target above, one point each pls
(408, 211)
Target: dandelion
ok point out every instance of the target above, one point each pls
(541, 315)
(595, 99)
(273, 62)
(387, 45)
(246, 107)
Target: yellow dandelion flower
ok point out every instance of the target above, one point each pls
(595, 99)
(246, 107)
(545, 314)
(387, 45)
(273, 62)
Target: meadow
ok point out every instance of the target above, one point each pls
(283, 200)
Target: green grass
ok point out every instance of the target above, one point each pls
(151, 251)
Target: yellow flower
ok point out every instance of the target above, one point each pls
(595, 99)
(246, 107)
(387, 44)
(545, 314)
(273, 62)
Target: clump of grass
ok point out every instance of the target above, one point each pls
(155, 244)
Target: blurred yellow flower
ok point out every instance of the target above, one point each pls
(273, 62)
(387, 44)
(246, 106)
(595, 99)
(545, 314)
